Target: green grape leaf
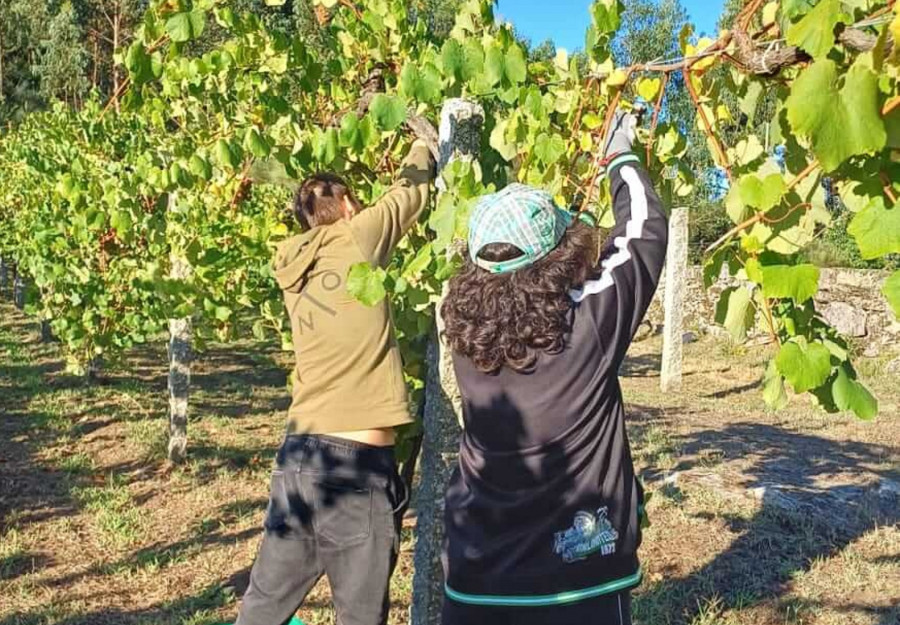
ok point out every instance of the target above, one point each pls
(850, 395)
(506, 149)
(257, 144)
(805, 365)
(186, 26)
(138, 63)
(474, 59)
(443, 222)
(798, 282)
(774, 392)
(794, 8)
(366, 283)
(200, 167)
(735, 312)
(493, 65)
(121, 221)
(549, 148)
(648, 88)
(422, 84)
(606, 16)
(453, 59)
(227, 155)
(876, 229)
(839, 123)
(891, 290)
(509, 64)
(356, 134)
(762, 193)
(223, 313)
(388, 112)
(419, 262)
(737, 211)
(515, 66)
(326, 146)
(815, 32)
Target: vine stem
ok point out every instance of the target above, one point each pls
(790, 212)
(353, 8)
(595, 166)
(656, 111)
(890, 105)
(747, 13)
(579, 119)
(770, 319)
(710, 133)
(813, 166)
(114, 100)
(886, 184)
(384, 158)
(241, 182)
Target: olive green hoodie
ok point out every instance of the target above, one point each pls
(348, 373)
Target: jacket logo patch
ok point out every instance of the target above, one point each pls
(590, 533)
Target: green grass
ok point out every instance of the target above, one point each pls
(116, 536)
(76, 464)
(113, 511)
(149, 437)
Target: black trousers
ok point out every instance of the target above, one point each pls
(333, 510)
(605, 610)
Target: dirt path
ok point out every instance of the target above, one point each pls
(757, 518)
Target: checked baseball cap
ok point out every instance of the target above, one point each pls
(519, 215)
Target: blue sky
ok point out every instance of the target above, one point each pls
(564, 21)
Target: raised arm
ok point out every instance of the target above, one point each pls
(632, 257)
(380, 227)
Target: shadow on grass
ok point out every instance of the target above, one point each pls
(204, 608)
(800, 521)
(14, 565)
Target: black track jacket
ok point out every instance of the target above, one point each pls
(544, 507)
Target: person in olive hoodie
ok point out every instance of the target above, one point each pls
(335, 491)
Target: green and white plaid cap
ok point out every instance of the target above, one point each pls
(519, 215)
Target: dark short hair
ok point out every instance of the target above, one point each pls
(508, 319)
(320, 200)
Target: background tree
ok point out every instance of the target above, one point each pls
(19, 50)
(62, 60)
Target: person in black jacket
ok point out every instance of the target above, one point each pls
(543, 512)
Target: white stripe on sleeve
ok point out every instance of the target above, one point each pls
(634, 229)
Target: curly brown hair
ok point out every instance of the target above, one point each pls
(507, 319)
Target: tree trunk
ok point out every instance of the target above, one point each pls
(95, 55)
(1, 66)
(180, 355)
(460, 138)
(117, 21)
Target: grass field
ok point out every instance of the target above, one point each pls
(757, 518)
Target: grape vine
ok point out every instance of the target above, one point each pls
(226, 115)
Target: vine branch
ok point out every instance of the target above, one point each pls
(813, 166)
(710, 131)
(656, 110)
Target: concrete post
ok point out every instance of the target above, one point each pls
(4, 276)
(676, 283)
(180, 356)
(459, 138)
(19, 291)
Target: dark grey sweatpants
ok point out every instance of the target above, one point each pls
(332, 511)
